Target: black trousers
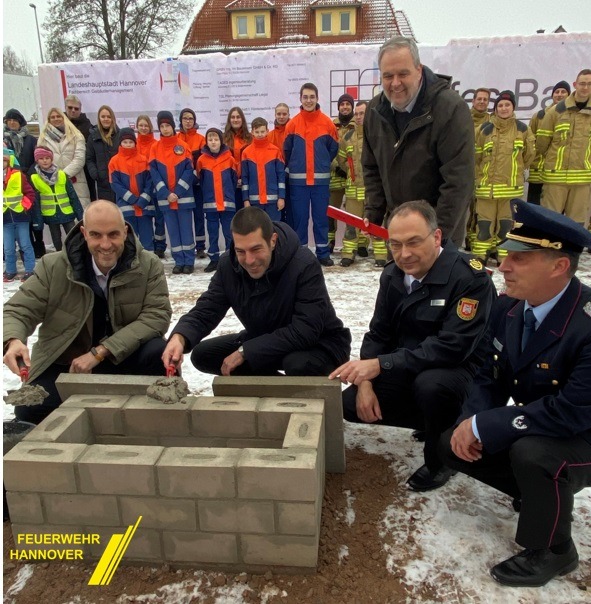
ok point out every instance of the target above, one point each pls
(534, 192)
(209, 355)
(543, 472)
(430, 402)
(146, 360)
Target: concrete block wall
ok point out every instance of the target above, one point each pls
(234, 483)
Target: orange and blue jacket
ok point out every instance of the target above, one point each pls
(130, 179)
(263, 173)
(311, 143)
(195, 141)
(237, 147)
(218, 178)
(144, 144)
(171, 170)
(277, 136)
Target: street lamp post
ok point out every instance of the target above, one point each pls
(34, 7)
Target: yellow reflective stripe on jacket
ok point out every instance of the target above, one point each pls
(13, 193)
(568, 177)
(52, 198)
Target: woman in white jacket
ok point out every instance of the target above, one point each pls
(69, 150)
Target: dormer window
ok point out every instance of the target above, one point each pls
(337, 21)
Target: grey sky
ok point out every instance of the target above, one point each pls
(433, 21)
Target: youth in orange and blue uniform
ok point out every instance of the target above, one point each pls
(263, 176)
(171, 170)
(218, 177)
(311, 144)
(130, 179)
(195, 141)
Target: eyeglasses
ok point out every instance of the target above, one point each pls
(187, 119)
(414, 243)
(73, 108)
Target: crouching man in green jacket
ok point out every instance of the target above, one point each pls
(102, 305)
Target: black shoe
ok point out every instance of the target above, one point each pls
(362, 252)
(159, 253)
(328, 261)
(211, 267)
(424, 480)
(331, 246)
(381, 263)
(188, 269)
(200, 254)
(177, 270)
(535, 567)
(346, 261)
(419, 435)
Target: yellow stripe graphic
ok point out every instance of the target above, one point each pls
(109, 561)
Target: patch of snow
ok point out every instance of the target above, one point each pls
(349, 512)
(23, 575)
(343, 553)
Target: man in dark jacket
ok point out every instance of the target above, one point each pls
(422, 349)
(277, 290)
(537, 450)
(418, 142)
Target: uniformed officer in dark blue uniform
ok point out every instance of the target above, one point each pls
(538, 450)
(421, 352)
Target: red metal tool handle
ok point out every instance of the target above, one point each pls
(352, 220)
(23, 369)
(170, 371)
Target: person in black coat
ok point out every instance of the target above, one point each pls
(421, 352)
(102, 145)
(537, 450)
(277, 290)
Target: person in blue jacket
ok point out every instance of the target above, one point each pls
(538, 450)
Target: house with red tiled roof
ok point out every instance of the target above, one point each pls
(232, 25)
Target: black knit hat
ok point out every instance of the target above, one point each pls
(15, 114)
(217, 131)
(187, 110)
(562, 84)
(165, 117)
(127, 134)
(346, 97)
(506, 95)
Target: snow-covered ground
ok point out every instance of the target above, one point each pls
(460, 531)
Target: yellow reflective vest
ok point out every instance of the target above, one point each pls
(50, 198)
(13, 193)
(564, 139)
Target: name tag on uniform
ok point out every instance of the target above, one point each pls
(497, 345)
(437, 302)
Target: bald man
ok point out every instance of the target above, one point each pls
(101, 305)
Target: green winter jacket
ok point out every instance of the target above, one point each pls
(58, 299)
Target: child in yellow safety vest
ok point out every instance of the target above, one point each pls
(55, 196)
(18, 199)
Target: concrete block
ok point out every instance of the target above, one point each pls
(63, 426)
(118, 470)
(193, 441)
(69, 384)
(200, 547)
(101, 510)
(42, 467)
(105, 411)
(159, 513)
(273, 414)
(298, 388)
(228, 417)
(115, 439)
(148, 417)
(233, 516)
(305, 430)
(198, 473)
(297, 518)
(25, 508)
(279, 550)
(283, 475)
(255, 443)
(145, 544)
(32, 537)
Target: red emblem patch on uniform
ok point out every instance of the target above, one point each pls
(467, 309)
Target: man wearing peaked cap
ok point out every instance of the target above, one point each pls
(537, 451)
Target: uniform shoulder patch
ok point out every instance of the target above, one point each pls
(519, 423)
(476, 264)
(466, 309)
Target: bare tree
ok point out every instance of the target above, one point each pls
(14, 63)
(113, 29)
